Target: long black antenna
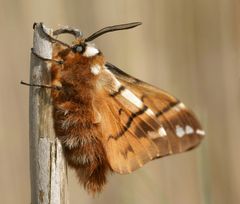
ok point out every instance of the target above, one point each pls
(111, 29)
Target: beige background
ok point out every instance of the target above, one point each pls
(188, 47)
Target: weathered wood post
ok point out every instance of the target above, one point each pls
(48, 168)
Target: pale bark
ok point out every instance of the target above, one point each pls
(48, 168)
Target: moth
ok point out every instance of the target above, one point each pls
(107, 120)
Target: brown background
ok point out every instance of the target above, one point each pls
(188, 47)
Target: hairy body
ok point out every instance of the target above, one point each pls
(75, 122)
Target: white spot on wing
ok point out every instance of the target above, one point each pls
(162, 132)
(117, 83)
(149, 112)
(188, 130)
(90, 51)
(95, 69)
(179, 131)
(111, 79)
(132, 98)
(179, 107)
(200, 132)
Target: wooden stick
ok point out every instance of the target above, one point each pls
(48, 168)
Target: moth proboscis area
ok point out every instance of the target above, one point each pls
(107, 120)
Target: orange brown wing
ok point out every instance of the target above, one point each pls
(140, 123)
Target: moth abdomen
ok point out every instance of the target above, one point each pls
(83, 150)
(79, 136)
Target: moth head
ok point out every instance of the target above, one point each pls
(88, 49)
(83, 46)
(83, 54)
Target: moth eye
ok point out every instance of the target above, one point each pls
(78, 48)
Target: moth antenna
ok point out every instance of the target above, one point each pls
(51, 39)
(41, 85)
(112, 29)
(45, 59)
(73, 31)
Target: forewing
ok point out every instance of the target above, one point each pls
(140, 123)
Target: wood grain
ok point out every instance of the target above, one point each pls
(48, 169)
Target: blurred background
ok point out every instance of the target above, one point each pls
(191, 48)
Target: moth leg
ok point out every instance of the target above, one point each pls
(66, 29)
(50, 38)
(45, 59)
(42, 85)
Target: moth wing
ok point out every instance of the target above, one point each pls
(141, 123)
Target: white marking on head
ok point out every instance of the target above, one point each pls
(162, 132)
(188, 130)
(90, 51)
(95, 69)
(200, 132)
(150, 112)
(132, 98)
(179, 131)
